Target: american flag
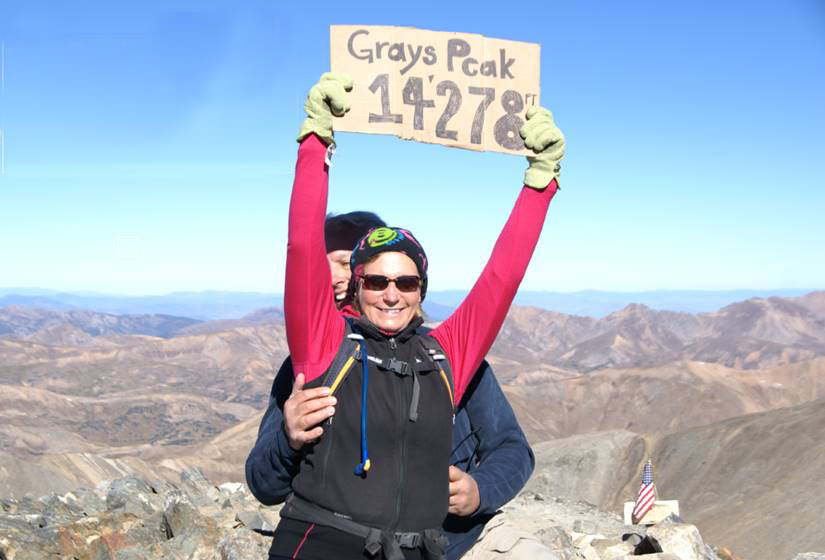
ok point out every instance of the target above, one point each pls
(647, 493)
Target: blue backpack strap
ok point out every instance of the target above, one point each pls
(351, 350)
(348, 353)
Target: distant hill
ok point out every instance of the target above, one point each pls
(665, 398)
(750, 334)
(72, 325)
(209, 305)
(594, 303)
(203, 306)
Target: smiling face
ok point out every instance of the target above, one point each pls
(339, 269)
(390, 309)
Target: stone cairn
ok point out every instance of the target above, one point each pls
(134, 519)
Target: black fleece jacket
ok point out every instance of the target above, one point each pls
(488, 444)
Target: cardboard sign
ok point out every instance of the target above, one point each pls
(457, 89)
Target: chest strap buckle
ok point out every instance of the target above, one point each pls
(398, 367)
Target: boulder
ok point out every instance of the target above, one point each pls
(557, 539)
(181, 516)
(87, 501)
(680, 539)
(243, 544)
(252, 520)
(131, 494)
(588, 553)
(231, 487)
(201, 492)
(612, 549)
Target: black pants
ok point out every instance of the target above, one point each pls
(307, 541)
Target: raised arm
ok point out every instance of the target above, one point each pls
(313, 326)
(468, 333)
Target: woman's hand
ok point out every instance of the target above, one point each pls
(542, 136)
(464, 497)
(326, 98)
(304, 410)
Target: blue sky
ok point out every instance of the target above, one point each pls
(149, 146)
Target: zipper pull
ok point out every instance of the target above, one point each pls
(393, 345)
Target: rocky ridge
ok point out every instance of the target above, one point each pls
(132, 518)
(751, 334)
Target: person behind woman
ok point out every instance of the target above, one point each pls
(375, 483)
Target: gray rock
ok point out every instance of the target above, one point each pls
(252, 520)
(680, 539)
(181, 516)
(584, 526)
(133, 553)
(87, 501)
(710, 553)
(633, 539)
(192, 544)
(810, 556)
(201, 492)
(670, 519)
(149, 531)
(22, 505)
(243, 545)
(161, 487)
(59, 509)
(238, 501)
(130, 494)
(231, 487)
(557, 539)
(612, 549)
(587, 553)
(643, 545)
(18, 524)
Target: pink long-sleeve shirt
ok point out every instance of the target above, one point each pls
(315, 327)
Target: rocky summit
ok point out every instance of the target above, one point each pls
(132, 518)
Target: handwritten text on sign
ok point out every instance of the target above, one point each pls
(457, 89)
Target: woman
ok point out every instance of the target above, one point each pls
(375, 484)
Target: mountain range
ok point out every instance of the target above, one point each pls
(728, 397)
(212, 305)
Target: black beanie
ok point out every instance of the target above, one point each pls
(343, 231)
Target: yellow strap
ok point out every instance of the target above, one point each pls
(344, 370)
(447, 383)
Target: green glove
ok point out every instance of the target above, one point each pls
(326, 98)
(542, 136)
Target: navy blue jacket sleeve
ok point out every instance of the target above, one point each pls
(490, 446)
(272, 464)
(504, 460)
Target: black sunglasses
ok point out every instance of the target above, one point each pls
(379, 282)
